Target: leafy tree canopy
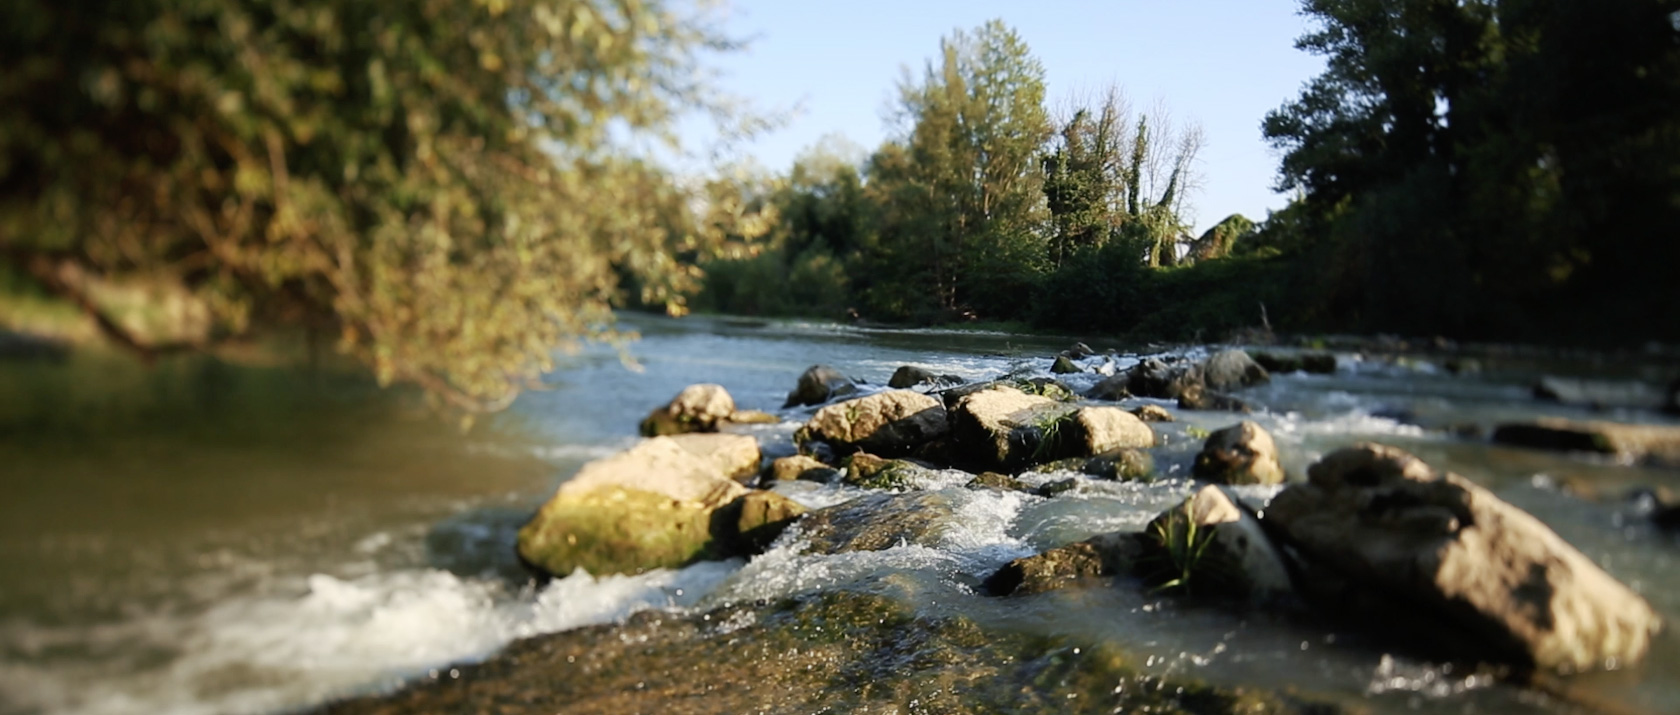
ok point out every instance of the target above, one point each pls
(435, 181)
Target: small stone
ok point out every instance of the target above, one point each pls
(1153, 413)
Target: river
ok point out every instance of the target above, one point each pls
(198, 537)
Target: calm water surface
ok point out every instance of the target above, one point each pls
(203, 538)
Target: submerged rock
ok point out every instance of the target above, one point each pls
(1211, 545)
(1120, 465)
(648, 507)
(1243, 453)
(1655, 445)
(819, 384)
(872, 472)
(698, 408)
(1001, 482)
(1444, 561)
(1086, 562)
(830, 652)
(879, 521)
(887, 423)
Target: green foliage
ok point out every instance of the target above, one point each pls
(433, 182)
(1490, 168)
(961, 192)
(1223, 239)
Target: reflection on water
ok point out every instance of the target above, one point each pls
(200, 537)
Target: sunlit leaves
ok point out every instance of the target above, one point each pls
(431, 179)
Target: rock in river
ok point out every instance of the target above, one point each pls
(1243, 453)
(819, 384)
(886, 423)
(655, 505)
(1003, 428)
(1655, 445)
(1454, 566)
(1211, 545)
(698, 408)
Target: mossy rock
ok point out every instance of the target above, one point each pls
(837, 651)
(613, 531)
(872, 472)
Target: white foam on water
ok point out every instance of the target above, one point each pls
(980, 533)
(330, 637)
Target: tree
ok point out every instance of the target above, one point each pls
(1109, 171)
(961, 186)
(435, 182)
(1476, 166)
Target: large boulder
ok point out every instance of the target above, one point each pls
(1210, 545)
(1655, 445)
(819, 384)
(1064, 366)
(886, 423)
(1451, 565)
(698, 408)
(735, 456)
(1243, 453)
(648, 507)
(1231, 370)
(1003, 428)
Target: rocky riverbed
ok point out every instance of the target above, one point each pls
(245, 541)
(1370, 541)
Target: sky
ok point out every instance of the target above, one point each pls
(1220, 63)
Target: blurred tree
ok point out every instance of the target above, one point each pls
(433, 180)
(1109, 170)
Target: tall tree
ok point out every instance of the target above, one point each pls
(1111, 172)
(1517, 152)
(965, 186)
(433, 181)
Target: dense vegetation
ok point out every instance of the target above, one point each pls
(1482, 169)
(444, 184)
(437, 183)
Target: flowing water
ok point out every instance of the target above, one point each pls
(202, 538)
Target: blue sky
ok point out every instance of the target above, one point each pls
(1222, 63)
